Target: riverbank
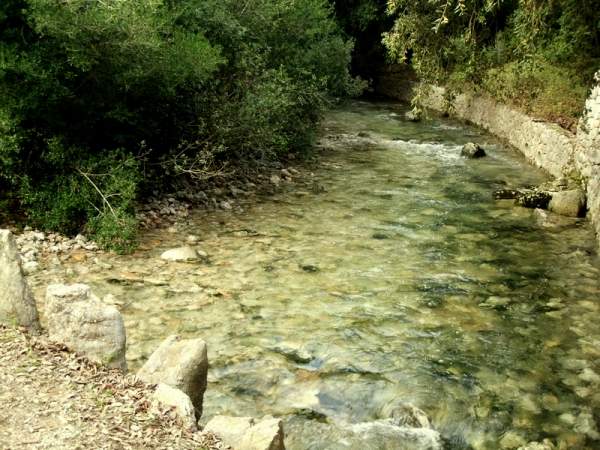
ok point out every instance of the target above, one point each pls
(51, 398)
(545, 145)
(389, 276)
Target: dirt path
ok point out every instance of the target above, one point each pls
(53, 399)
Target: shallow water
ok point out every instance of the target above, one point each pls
(403, 281)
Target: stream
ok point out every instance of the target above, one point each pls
(397, 280)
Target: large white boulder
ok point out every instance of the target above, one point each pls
(568, 203)
(246, 433)
(174, 398)
(181, 254)
(85, 324)
(17, 304)
(181, 364)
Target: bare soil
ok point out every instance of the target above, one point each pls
(51, 398)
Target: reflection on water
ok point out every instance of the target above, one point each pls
(402, 281)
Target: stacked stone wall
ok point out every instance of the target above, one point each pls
(546, 145)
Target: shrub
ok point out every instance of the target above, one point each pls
(536, 54)
(539, 88)
(99, 97)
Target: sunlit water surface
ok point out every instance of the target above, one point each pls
(404, 281)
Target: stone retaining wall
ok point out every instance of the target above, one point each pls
(544, 144)
(587, 152)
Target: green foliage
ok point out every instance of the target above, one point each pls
(99, 190)
(539, 88)
(273, 117)
(99, 97)
(537, 54)
(364, 21)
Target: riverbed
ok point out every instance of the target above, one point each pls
(392, 277)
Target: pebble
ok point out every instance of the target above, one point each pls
(590, 376)
(30, 267)
(192, 239)
(512, 440)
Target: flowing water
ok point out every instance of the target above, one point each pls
(397, 279)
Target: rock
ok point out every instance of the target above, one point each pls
(545, 445)
(275, 180)
(30, 267)
(512, 440)
(181, 364)
(192, 239)
(179, 400)
(293, 352)
(472, 150)
(495, 302)
(406, 415)
(17, 305)
(85, 324)
(553, 221)
(180, 254)
(386, 434)
(246, 433)
(506, 194)
(568, 203)
(586, 424)
(266, 434)
(230, 429)
(310, 268)
(533, 199)
(380, 236)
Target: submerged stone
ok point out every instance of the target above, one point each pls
(386, 434)
(545, 445)
(406, 415)
(181, 254)
(293, 352)
(380, 236)
(512, 440)
(310, 268)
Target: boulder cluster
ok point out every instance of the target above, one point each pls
(178, 368)
(82, 322)
(561, 196)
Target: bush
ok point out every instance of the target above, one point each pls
(535, 54)
(96, 195)
(100, 96)
(539, 88)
